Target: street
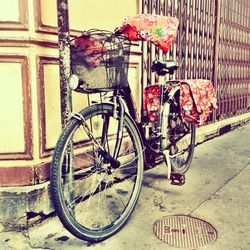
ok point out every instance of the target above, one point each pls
(217, 191)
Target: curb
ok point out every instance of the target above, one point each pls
(219, 128)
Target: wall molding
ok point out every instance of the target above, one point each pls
(49, 29)
(26, 42)
(45, 28)
(22, 23)
(25, 175)
(138, 91)
(40, 26)
(41, 61)
(27, 113)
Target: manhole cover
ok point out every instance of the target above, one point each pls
(184, 231)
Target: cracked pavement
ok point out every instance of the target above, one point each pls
(217, 190)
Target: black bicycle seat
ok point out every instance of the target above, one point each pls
(164, 67)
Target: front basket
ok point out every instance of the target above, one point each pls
(100, 60)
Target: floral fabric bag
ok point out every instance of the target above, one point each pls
(160, 30)
(197, 99)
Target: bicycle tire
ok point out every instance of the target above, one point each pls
(181, 163)
(112, 192)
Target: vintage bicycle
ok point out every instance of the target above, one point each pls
(98, 162)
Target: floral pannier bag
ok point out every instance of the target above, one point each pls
(197, 99)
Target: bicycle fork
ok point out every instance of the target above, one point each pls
(100, 148)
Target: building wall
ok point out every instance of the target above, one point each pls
(30, 91)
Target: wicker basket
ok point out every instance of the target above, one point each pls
(100, 60)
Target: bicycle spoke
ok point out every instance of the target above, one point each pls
(101, 195)
(182, 137)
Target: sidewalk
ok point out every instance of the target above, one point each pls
(217, 190)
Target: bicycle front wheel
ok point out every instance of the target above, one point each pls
(93, 199)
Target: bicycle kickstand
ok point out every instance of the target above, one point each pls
(177, 179)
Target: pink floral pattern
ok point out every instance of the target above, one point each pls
(91, 50)
(197, 99)
(152, 102)
(160, 30)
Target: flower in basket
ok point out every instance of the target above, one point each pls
(91, 50)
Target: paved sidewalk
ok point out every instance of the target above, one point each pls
(217, 191)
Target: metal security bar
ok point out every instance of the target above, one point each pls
(213, 42)
(233, 78)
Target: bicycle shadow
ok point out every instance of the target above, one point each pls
(158, 181)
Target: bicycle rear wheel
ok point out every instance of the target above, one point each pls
(92, 199)
(182, 151)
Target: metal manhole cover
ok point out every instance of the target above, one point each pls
(184, 231)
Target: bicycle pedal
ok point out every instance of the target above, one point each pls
(177, 179)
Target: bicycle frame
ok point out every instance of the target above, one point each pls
(121, 98)
(165, 112)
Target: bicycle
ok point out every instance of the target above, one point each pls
(98, 162)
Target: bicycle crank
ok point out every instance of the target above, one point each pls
(177, 179)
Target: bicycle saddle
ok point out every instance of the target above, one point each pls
(164, 67)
